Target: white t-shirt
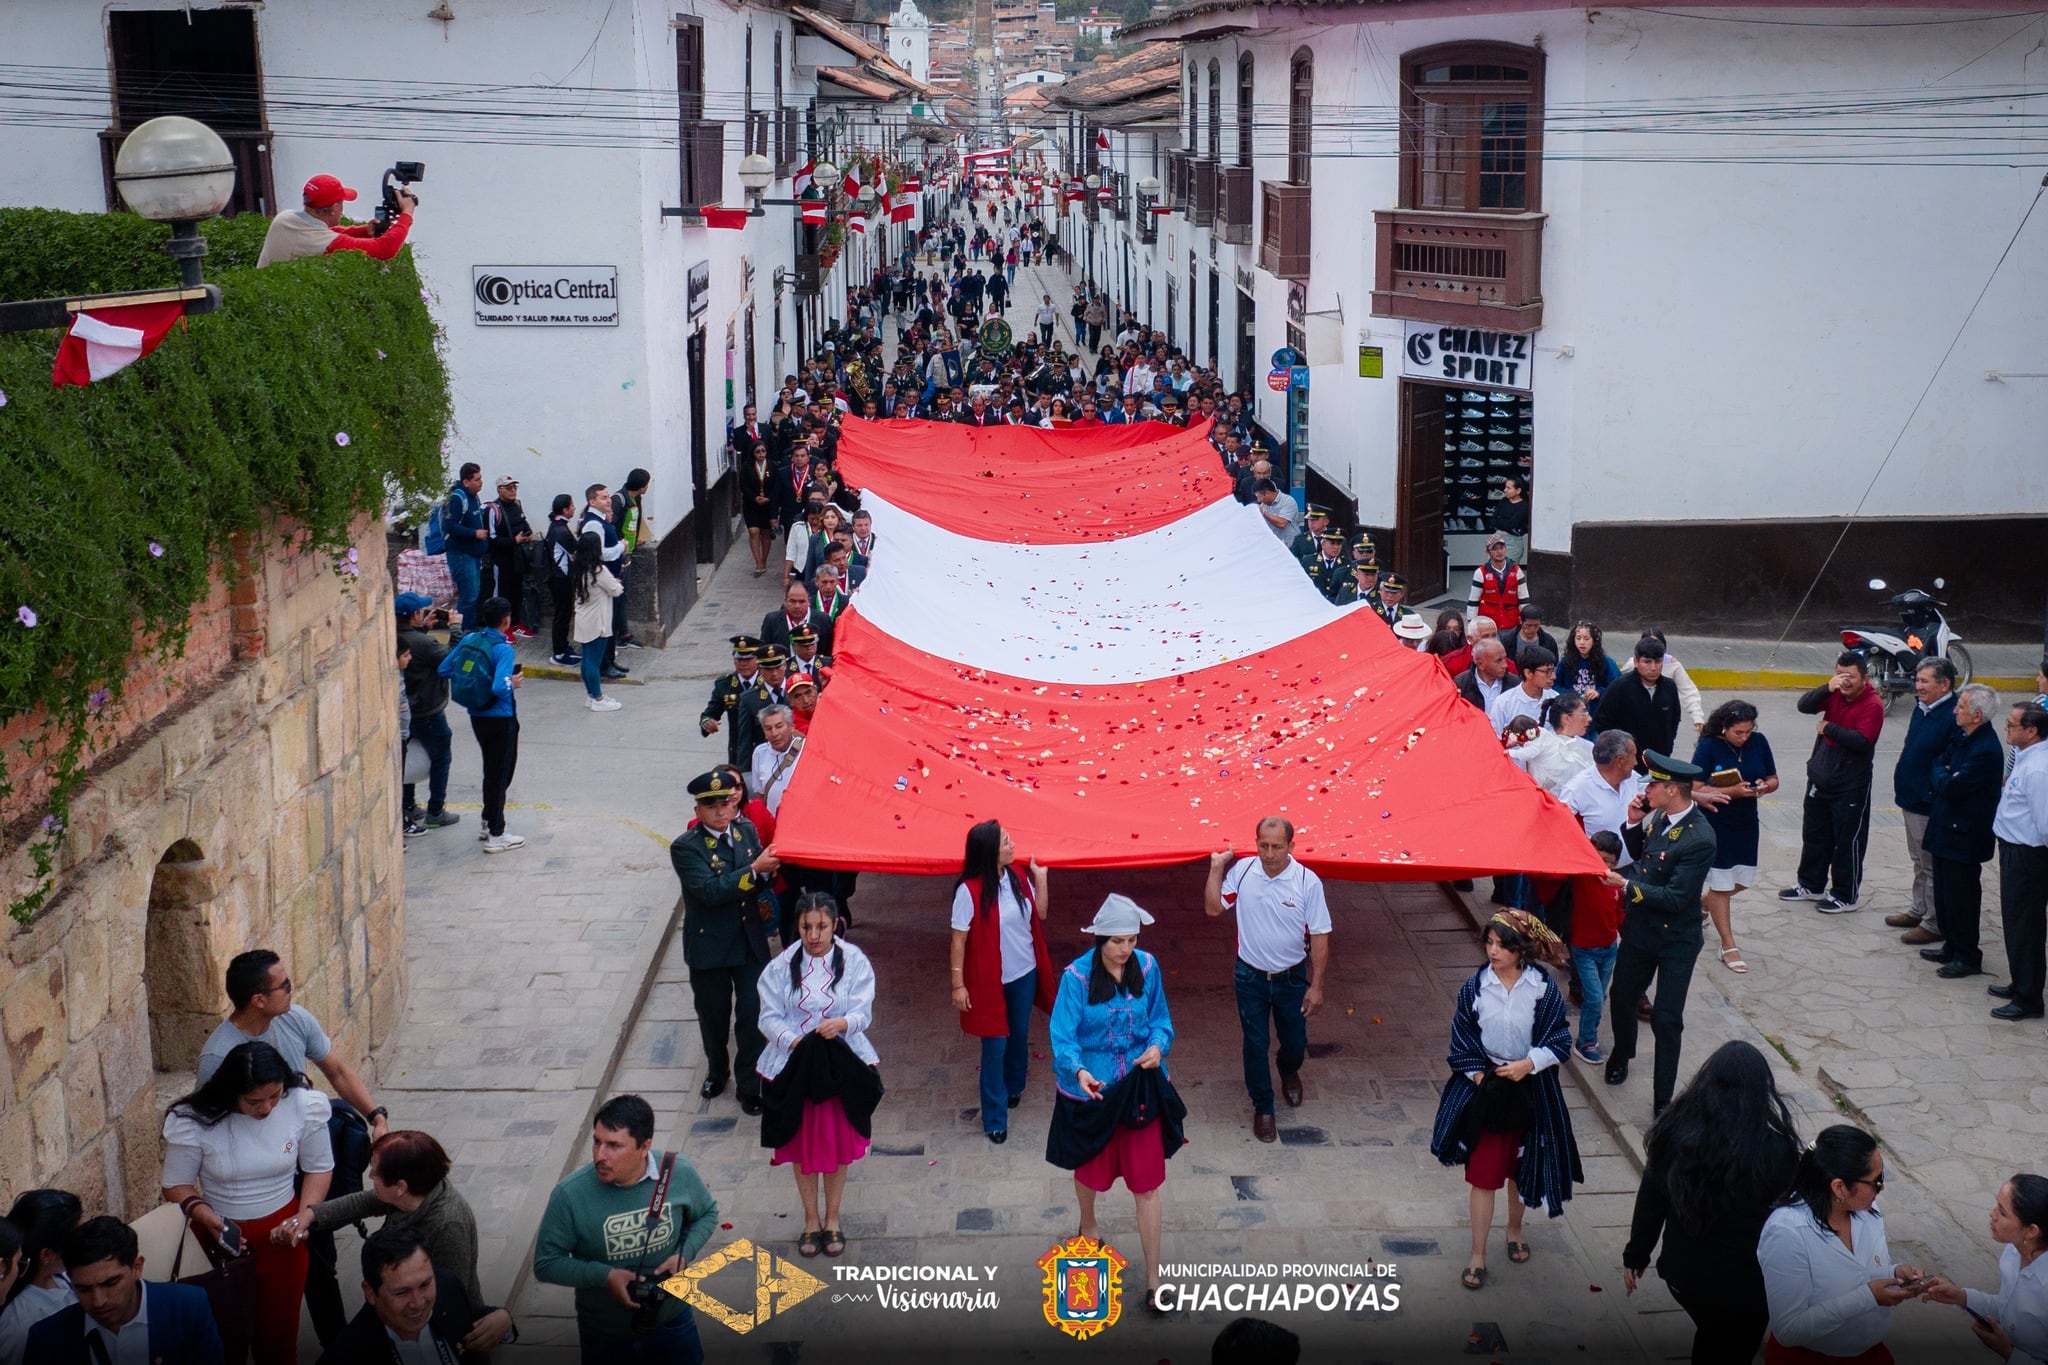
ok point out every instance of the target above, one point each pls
(765, 762)
(1516, 701)
(243, 1165)
(1015, 923)
(1273, 913)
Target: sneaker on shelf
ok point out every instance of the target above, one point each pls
(414, 829)
(440, 819)
(1469, 463)
(1470, 446)
(1828, 905)
(504, 843)
(601, 703)
(1499, 445)
(1796, 892)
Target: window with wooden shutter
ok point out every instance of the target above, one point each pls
(1215, 110)
(701, 143)
(1471, 129)
(1244, 110)
(1301, 116)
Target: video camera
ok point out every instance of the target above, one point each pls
(403, 173)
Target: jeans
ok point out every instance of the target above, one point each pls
(1279, 995)
(432, 734)
(595, 653)
(674, 1343)
(1006, 1062)
(498, 737)
(1595, 967)
(467, 573)
(1009, 274)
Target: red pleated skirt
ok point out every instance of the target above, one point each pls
(825, 1142)
(1491, 1163)
(1135, 1155)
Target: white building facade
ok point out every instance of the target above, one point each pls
(570, 141)
(1689, 272)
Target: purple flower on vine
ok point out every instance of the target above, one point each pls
(156, 551)
(353, 554)
(52, 825)
(3, 398)
(341, 438)
(426, 296)
(26, 615)
(381, 356)
(96, 701)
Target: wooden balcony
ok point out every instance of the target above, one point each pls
(810, 274)
(1177, 180)
(1234, 204)
(1283, 234)
(1460, 269)
(1202, 192)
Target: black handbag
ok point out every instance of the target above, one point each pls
(1503, 1106)
(230, 1286)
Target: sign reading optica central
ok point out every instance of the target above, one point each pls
(545, 295)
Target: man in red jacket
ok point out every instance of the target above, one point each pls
(1835, 824)
(316, 229)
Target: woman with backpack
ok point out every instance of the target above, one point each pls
(594, 589)
(483, 679)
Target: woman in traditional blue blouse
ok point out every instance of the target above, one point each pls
(1116, 1115)
(1503, 1114)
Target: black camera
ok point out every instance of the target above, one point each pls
(403, 173)
(645, 1290)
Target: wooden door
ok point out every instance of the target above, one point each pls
(1419, 528)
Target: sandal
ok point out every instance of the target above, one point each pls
(1734, 964)
(807, 1245)
(1474, 1276)
(835, 1242)
(1518, 1252)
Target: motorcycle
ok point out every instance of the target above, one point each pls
(1894, 652)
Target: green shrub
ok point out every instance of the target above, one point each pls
(123, 494)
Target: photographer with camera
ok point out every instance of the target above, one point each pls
(616, 1229)
(316, 229)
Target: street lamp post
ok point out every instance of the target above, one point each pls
(1090, 213)
(170, 170)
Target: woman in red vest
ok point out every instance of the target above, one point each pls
(1000, 967)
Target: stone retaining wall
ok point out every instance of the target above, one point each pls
(252, 801)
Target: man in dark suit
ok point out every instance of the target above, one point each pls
(408, 1303)
(1927, 736)
(114, 1306)
(724, 870)
(1673, 849)
(1959, 840)
(980, 413)
(795, 610)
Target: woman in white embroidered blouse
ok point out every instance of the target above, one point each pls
(233, 1149)
(1828, 1274)
(2013, 1322)
(822, 987)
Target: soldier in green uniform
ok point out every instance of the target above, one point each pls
(1362, 548)
(727, 912)
(1673, 847)
(1330, 571)
(1308, 543)
(1393, 592)
(746, 722)
(727, 691)
(1364, 585)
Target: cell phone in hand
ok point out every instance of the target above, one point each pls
(1977, 1317)
(231, 1239)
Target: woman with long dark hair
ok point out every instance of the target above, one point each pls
(1828, 1275)
(42, 1219)
(819, 1099)
(233, 1149)
(1000, 967)
(1720, 1159)
(1740, 768)
(593, 587)
(1585, 667)
(2013, 1323)
(1117, 1116)
(1503, 1115)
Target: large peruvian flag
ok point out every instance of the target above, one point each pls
(1083, 635)
(104, 341)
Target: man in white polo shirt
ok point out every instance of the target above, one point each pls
(1283, 948)
(1600, 795)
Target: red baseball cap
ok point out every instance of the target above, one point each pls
(323, 190)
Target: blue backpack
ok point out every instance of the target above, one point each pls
(435, 541)
(469, 673)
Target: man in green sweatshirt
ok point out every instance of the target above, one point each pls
(596, 1238)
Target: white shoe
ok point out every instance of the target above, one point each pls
(601, 703)
(504, 843)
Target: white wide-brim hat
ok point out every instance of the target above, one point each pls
(1119, 915)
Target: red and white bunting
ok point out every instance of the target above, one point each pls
(813, 215)
(912, 185)
(801, 181)
(1102, 138)
(850, 182)
(104, 341)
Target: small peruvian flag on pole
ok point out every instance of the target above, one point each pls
(857, 224)
(1102, 138)
(850, 184)
(801, 181)
(1105, 194)
(104, 341)
(716, 217)
(814, 215)
(912, 184)
(1161, 210)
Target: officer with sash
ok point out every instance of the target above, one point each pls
(727, 691)
(1308, 544)
(1364, 585)
(1673, 847)
(746, 722)
(1330, 571)
(727, 914)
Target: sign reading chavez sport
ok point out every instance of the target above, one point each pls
(545, 295)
